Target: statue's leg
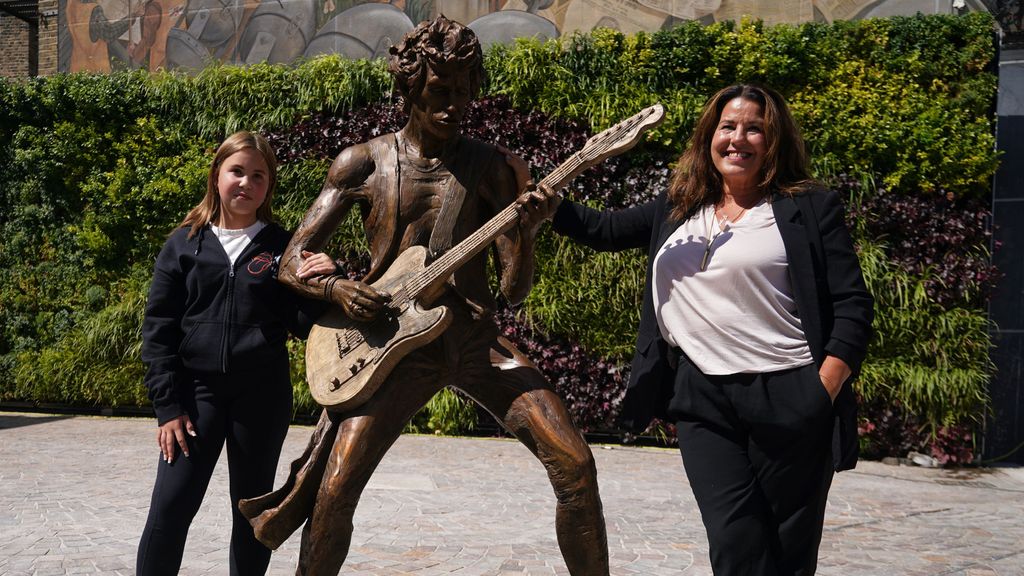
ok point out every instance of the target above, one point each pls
(363, 438)
(278, 514)
(511, 388)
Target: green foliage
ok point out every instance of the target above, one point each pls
(448, 413)
(299, 184)
(104, 100)
(584, 80)
(934, 362)
(916, 140)
(905, 99)
(40, 201)
(158, 175)
(302, 401)
(222, 99)
(591, 297)
(96, 362)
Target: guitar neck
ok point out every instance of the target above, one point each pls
(439, 270)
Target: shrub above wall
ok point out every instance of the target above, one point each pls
(96, 170)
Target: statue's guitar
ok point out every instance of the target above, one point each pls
(346, 360)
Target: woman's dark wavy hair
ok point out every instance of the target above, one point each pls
(446, 46)
(696, 182)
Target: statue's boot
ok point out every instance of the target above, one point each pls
(278, 514)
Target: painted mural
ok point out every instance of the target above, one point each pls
(106, 35)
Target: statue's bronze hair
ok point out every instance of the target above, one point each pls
(446, 46)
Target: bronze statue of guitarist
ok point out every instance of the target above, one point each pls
(428, 186)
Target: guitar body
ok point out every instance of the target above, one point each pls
(346, 360)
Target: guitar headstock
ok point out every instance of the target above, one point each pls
(612, 141)
(622, 136)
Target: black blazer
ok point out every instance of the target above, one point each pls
(833, 303)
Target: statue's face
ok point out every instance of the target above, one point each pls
(438, 108)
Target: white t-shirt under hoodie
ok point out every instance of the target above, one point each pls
(738, 314)
(236, 241)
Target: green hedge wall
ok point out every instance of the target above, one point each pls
(96, 170)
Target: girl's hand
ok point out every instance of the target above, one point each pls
(171, 434)
(315, 265)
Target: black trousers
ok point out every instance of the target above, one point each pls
(757, 452)
(249, 414)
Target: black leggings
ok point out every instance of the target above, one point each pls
(252, 416)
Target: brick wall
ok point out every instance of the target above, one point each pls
(13, 47)
(47, 37)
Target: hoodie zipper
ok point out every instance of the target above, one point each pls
(228, 309)
(229, 306)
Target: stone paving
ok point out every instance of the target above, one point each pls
(74, 492)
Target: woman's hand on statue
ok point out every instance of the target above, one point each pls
(519, 167)
(171, 435)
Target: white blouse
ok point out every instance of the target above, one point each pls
(738, 314)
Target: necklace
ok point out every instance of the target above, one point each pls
(723, 225)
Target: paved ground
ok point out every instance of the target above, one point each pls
(74, 493)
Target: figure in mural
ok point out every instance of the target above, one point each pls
(149, 25)
(427, 185)
(100, 35)
(93, 35)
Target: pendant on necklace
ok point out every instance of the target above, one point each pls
(704, 260)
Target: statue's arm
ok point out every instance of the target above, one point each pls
(345, 185)
(515, 248)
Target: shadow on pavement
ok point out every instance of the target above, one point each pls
(15, 421)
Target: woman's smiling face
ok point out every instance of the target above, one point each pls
(739, 145)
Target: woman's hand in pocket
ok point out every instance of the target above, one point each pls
(833, 373)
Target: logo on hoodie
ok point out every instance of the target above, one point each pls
(260, 263)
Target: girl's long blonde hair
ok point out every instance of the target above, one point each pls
(696, 182)
(209, 208)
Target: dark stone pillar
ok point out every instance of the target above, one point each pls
(1005, 430)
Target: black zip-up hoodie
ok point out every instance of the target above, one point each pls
(205, 316)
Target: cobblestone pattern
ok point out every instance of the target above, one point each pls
(74, 492)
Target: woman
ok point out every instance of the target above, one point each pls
(214, 337)
(755, 321)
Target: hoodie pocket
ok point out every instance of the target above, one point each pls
(249, 346)
(200, 348)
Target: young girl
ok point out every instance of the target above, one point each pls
(214, 343)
